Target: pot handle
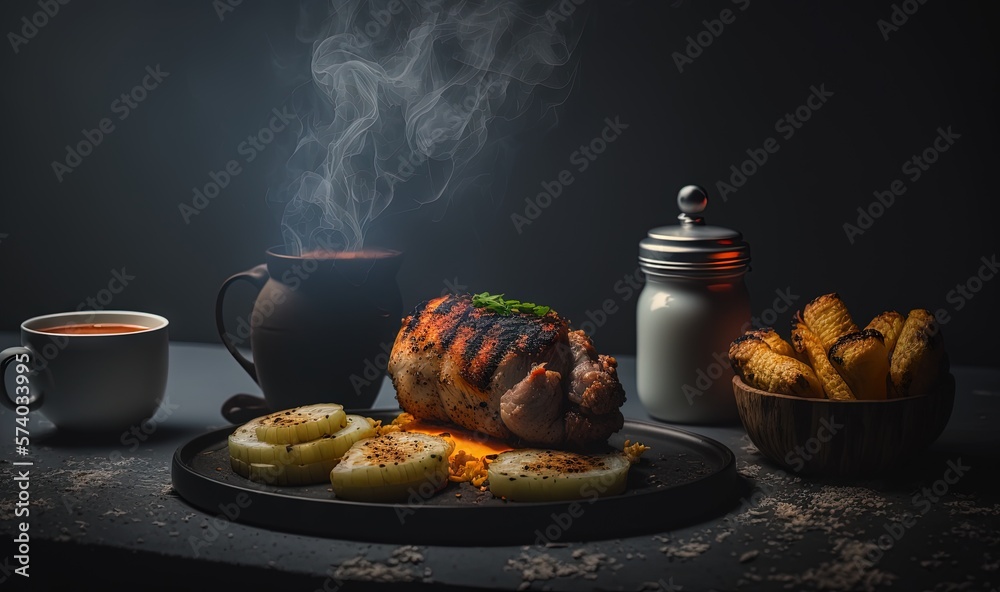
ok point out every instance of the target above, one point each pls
(19, 355)
(257, 276)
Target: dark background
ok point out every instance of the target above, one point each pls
(119, 208)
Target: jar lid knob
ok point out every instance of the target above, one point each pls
(691, 200)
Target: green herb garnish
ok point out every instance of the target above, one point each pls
(498, 304)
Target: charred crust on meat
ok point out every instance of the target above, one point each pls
(583, 429)
(482, 337)
(473, 345)
(482, 349)
(411, 321)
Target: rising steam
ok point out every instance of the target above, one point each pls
(416, 89)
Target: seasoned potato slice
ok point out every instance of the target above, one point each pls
(533, 475)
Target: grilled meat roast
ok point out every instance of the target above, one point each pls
(518, 377)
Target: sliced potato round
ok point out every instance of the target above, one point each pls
(301, 424)
(393, 467)
(534, 475)
(245, 446)
(279, 474)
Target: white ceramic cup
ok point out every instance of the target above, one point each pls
(88, 382)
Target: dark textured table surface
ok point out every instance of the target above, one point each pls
(105, 510)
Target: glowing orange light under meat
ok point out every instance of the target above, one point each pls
(474, 443)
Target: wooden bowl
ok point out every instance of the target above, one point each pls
(840, 438)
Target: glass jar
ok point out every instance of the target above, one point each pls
(694, 304)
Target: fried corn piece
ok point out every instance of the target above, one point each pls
(635, 451)
(777, 344)
(761, 367)
(806, 341)
(828, 318)
(463, 467)
(863, 362)
(918, 359)
(398, 424)
(889, 324)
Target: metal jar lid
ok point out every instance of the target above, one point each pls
(692, 249)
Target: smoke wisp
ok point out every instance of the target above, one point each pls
(407, 90)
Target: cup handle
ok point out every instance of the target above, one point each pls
(20, 355)
(257, 276)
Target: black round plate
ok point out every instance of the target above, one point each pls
(683, 479)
